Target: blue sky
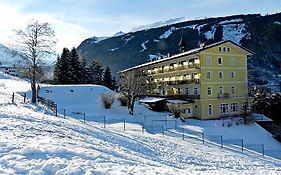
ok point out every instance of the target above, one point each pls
(76, 20)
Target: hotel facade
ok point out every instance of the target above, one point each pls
(210, 81)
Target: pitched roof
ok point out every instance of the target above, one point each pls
(190, 52)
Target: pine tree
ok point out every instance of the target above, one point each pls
(218, 35)
(74, 74)
(107, 78)
(86, 71)
(97, 73)
(62, 67)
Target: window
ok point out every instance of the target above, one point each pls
(209, 75)
(224, 108)
(193, 75)
(208, 60)
(186, 91)
(232, 75)
(188, 111)
(228, 49)
(179, 90)
(220, 74)
(234, 107)
(220, 60)
(224, 49)
(233, 89)
(220, 49)
(232, 60)
(195, 91)
(209, 91)
(221, 90)
(210, 110)
(163, 92)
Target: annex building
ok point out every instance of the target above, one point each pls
(209, 81)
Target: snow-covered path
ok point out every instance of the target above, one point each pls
(33, 141)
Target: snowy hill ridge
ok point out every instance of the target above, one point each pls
(9, 57)
(159, 24)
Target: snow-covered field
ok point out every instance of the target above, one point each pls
(34, 141)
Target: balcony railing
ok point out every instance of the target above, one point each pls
(172, 69)
(174, 82)
(223, 95)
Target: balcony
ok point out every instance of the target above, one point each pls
(174, 68)
(223, 95)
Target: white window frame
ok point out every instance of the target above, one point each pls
(209, 75)
(220, 75)
(221, 90)
(224, 108)
(232, 61)
(210, 109)
(208, 60)
(220, 60)
(233, 89)
(209, 90)
(188, 110)
(187, 91)
(232, 75)
(234, 107)
(195, 89)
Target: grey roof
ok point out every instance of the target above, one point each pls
(193, 51)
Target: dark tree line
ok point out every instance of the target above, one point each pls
(267, 102)
(71, 68)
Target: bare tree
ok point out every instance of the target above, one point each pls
(35, 42)
(132, 86)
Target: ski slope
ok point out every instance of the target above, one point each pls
(34, 141)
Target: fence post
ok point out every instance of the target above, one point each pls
(24, 97)
(203, 138)
(162, 131)
(242, 145)
(56, 110)
(262, 145)
(221, 141)
(104, 121)
(182, 133)
(84, 117)
(124, 125)
(13, 97)
(64, 113)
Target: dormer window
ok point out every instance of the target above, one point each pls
(220, 49)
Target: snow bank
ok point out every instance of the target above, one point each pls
(34, 141)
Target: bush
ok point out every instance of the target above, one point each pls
(107, 100)
(176, 109)
(123, 100)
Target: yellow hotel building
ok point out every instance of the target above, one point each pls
(212, 79)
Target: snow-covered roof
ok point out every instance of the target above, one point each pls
(151, 99)
(190, 52)
(177, 101)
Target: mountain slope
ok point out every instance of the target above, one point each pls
(258, 33)
(9, 57)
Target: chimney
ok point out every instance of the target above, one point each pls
(202, 45)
